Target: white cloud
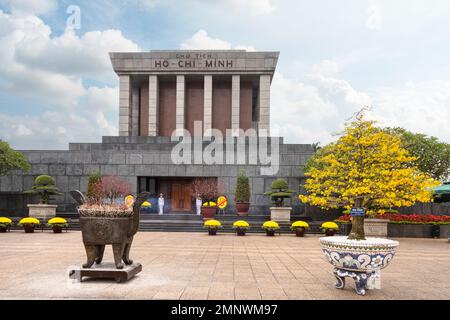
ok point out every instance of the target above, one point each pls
(373, 21)
(255, 7)
(52, 71)
(31, 6)
(201, 41)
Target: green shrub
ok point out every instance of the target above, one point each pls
(279, 191)
(242, 193)
(45, 187)
(92, 191)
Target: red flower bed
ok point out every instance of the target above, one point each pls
(406, 218)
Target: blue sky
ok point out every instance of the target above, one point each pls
(57, 85)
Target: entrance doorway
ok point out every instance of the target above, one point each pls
(181, 197)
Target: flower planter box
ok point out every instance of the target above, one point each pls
(445, 231)
(42, 211)
(410, 230)
(376, 227)
(280, 214)
(208, 213)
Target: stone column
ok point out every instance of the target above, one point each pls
(235, 103)
(134, 111)
(124, 106)
(207, 103)
(264, 103)
(180, 103)
(153, 105)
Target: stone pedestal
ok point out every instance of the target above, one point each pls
(42, 211)
(376, 227)
(280, 214)
(106, 270)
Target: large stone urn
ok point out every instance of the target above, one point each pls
(361, 260)
(99, 228)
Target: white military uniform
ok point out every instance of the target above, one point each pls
(161, 204)
(198, 203)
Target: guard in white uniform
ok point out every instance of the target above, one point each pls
(161, 203)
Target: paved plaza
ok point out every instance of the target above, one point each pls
(198, 266)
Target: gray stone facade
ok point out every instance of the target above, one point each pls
(131, 157)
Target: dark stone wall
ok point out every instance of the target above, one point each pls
(131, 157)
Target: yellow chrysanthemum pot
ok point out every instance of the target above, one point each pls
(5, 224)
(299, 227)
(212, 226)
(330, 228)
(29, 224)
(270, 227)
(241, 227)
(57, 224)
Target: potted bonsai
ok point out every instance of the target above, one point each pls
(329, 228)
(270, 227)
(5, 224)
(299, 227)
(367, 167)
(57, 224)
(45, 188)
(242, 194)
(241, 227)
(208, 190)
(278, 193)
(212, 226)
(29, 224)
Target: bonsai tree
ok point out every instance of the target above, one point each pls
(11, 159)
(45, 187)
(279, 191)
(242, 193)
(365, 168)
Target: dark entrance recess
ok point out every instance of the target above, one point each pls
(176, 191)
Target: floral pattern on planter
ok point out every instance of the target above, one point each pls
(358, 259)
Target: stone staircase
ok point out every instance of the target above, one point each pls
(188, 222)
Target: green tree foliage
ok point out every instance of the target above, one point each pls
(11, 159)
(45, 187)
(433, 156)
(279, 191)
(92, 190)
(242, 193)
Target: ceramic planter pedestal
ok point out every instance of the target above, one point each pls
(280, 214)
(42, 211)
(361, 260)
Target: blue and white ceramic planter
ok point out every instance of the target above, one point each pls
(359, 259)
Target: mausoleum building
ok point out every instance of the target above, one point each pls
(167, 97)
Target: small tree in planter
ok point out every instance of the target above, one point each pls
(29, 224)
(270, 227)
(93, 193)
(242, 194)
(208, 189)
(5, 224)
(241, 227)
(278, 193)
(365, 168)
(45, 188)
(57, 224)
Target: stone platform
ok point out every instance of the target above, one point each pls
(106, 270)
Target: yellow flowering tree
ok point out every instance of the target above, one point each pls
(365, 168)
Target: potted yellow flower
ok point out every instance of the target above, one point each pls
(299, 227)
(212, 226)
(5, 224)
(57, 224)
(329, 228)
(29, 224)
(270, 227)
(241, 227)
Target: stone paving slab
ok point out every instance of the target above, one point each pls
(197, 266)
